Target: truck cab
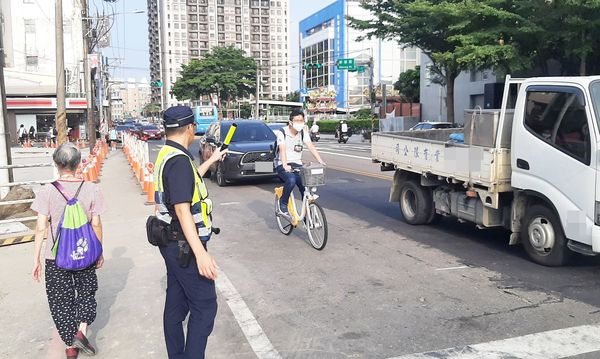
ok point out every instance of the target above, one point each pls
(554, 161)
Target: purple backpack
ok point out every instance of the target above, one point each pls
(76, 245)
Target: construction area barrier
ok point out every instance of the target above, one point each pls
(138, 156)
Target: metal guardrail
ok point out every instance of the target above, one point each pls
(22, 183)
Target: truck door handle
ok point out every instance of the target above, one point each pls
(522, 164)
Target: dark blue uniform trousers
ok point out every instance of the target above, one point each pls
(187, 292)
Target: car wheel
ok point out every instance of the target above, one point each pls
(416, 203)
(543, 237)
(220, 176)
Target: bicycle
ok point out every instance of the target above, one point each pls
(311, 214)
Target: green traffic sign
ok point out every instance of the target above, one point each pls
(360, 69)
(345, 64)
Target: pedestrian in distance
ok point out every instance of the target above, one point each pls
(32, 133)
(182, 200)
(52, 134)
(112, 136)
(22, 134)
(70, 293)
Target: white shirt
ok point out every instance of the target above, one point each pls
(290, 143)
(314, 128)
(344, 127)
(21, 131)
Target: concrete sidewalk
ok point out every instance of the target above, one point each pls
(131, 289)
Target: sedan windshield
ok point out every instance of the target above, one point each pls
(249, 132)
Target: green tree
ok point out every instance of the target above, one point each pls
(566, 31)
(245, 110)
(293, 96)
(225, 73)
(409, 84)
(457, 35)
(151, 109)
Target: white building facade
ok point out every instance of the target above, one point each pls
(28, 28)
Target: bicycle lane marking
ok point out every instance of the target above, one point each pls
(258, 340)
(553, 344)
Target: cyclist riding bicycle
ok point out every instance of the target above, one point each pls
(291, 141)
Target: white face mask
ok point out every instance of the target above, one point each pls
(298, 126)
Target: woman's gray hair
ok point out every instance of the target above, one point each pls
(67, 157)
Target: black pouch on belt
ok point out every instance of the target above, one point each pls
(185, 254)
(157, 231)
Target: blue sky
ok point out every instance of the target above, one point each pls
(129, 51)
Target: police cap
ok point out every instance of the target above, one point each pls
(178, 116)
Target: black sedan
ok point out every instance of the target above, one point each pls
(250, 151)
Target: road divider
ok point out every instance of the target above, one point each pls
(138, 156)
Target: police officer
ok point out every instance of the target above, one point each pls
(182, 200)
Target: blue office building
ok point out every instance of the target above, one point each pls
(325, 37)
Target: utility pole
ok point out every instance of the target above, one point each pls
(6, 175)
(61, 111)
(90, 126)
(372, 96)
(257, 95)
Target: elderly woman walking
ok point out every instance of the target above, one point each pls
(71, 293)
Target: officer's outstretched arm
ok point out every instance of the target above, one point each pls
(206, 264)
(217, 155)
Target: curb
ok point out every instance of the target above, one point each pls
(16, 240)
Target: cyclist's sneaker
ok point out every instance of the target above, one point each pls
(283, 209)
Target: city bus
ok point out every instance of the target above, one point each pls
(204, 116)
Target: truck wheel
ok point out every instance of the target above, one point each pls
(543, 237)
(416, 203)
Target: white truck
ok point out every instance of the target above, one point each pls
(531, 168)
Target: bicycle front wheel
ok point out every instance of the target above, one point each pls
(283, 224)
(316, 226)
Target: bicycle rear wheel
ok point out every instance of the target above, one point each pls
(316, 226)
(283, 223)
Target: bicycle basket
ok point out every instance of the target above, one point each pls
(313, 176)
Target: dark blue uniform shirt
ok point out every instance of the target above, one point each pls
(178, 181)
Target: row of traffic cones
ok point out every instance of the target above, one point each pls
(91, 167)
(143, 171)
(27, 144)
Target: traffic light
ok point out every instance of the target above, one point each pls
(313, 66)
(157, 83)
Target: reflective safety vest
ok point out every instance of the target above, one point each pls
(201, 205)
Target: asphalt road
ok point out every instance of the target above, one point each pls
(383, 288)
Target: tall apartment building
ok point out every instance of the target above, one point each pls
(326, 37)
(129, 98)
(185, 30)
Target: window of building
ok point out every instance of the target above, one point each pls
(557, 117)
(193, 8)
(29, 26)
(31, 63)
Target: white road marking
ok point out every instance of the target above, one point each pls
(345, 155)
(453, 268)
(230, 203)
(261, 345)
(553, 344)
